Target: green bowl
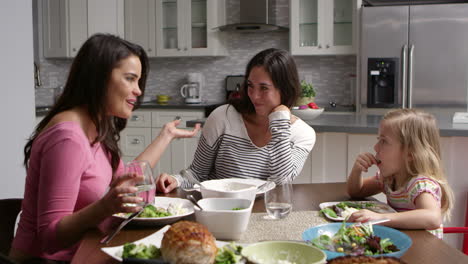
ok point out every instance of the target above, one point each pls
(294, 252)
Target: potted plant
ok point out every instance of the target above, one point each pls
(307, 94)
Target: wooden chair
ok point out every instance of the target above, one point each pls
(9, 210)
(462, 230)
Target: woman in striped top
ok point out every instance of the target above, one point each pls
(410, 173)
(255, 136)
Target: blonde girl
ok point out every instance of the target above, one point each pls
(410, 173)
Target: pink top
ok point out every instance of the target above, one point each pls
(404, 198)
(65, 174)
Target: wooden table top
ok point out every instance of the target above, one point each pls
(426, 247)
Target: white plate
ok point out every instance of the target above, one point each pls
(377, 207)
(255, 182)
(155, 239)
(163, 202)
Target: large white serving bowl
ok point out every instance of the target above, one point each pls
(228, 188)
(220, 218)
(307, 114)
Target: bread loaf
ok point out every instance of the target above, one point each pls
(188, 243)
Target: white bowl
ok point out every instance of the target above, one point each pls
(307, 114)
(220, 218)
(228, 188)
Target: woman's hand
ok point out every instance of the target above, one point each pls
(285, 108)
(166, 183)
(365, 215)
(364, 161)
(174, 132)
(115, 200)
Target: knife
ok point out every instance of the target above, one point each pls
(144, 261)
(108, 238)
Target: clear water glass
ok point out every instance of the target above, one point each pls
(146, 187)
(278, 201)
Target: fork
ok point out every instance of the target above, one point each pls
(109, 237)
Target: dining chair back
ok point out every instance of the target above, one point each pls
(9, 209)
(462, 230)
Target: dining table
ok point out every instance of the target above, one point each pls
(426, 248)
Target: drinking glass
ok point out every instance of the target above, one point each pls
(146, 187)
(278, 201)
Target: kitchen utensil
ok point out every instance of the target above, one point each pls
(372, 222)
(192, 199)
(225, 218)
(109, 237)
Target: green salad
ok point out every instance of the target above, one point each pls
(355, 240)
(132, 250)
(345, 209)
(153, 211)
(229, 254)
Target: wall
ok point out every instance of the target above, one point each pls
(16, 73)
(328, 73)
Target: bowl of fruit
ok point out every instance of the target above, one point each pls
(307, 112)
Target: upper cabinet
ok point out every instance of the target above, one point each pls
(172, 28)
(323, 27)
(67, 24)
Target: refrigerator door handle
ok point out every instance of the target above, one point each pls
(410, 77)
(404, 53)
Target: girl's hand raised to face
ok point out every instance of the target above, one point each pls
(364, 161)
(115, 200)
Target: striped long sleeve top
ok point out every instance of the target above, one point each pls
(226, 151)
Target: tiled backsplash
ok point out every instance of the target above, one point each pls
(328, 74)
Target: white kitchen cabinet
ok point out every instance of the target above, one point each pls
(140, 24)
(144, 126)
(323, 27)
(187, 28)
(327, 160)
(68, 23)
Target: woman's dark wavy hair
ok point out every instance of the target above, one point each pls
(282, 69)
(87, 85)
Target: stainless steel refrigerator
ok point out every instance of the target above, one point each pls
(414, 56)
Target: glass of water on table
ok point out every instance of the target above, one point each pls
(278, 201)
(146, 187)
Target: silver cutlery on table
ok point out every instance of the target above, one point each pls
(192, 199)
(372, 222)
(109, 237)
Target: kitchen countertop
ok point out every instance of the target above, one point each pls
(43, 110)
(360, 123)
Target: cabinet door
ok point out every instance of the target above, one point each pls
(329, 158)
(113, 20)
(64, 27)
(170, 28)
(134, 140)
(322, 27)
(187, 28)
(140, 24)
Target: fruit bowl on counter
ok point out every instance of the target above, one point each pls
(307, 112)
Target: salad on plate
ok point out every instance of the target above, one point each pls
(355, 240)
(339, 211)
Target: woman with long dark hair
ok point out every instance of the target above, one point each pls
(255, 136)
(72, 156)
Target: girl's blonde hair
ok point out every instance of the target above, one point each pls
(418, 133)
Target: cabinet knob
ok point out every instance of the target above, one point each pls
(178, 49)
(74, 49)
(177, 118)
(135, 118)
(319, 46)
(185, 48)
(328, 46)
(136, 141)
(149, 50)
